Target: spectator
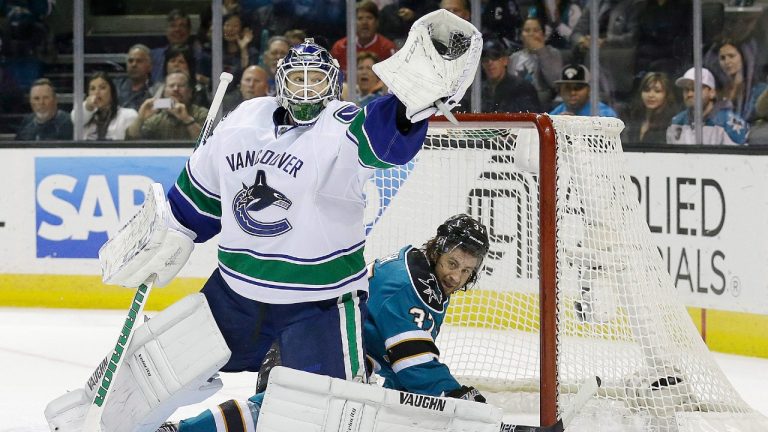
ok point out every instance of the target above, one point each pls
(652, 110)
(575, 90)
(560, 18)
(24, 46)
(137, 85)
(47, 121)
(758, 133)
(721, 124)
(295, 36)
(177, 32)
(460, 8)
(102, 117)
(238, 50)
(664, 40)
(277, 48)
(180, 59)
(537, 63)
(369, 85)
(502, 92)
(502, 19)
(395, 19)
(740, 85)
(617, 25)
(182, 121)
(368, 38)
(253, 84)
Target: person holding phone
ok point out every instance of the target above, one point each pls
(172, 117)
(103, 119)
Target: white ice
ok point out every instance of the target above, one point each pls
(44, 352)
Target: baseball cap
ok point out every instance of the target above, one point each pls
(574, 73)
(706, 78)
(494, 48)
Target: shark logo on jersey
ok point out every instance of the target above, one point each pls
(252, 199)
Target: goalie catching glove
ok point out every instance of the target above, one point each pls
(435, 66)
(151, 242)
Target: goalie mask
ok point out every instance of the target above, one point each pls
(463, 232)
(307, 79)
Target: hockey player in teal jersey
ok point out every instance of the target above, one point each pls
(410, 292)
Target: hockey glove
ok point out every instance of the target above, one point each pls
(466, 393)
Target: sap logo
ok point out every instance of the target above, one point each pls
(96, 211)
(82, 201)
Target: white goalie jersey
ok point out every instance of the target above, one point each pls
(288, 200)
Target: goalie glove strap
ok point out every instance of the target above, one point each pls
(404, 125)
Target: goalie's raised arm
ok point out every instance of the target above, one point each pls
(435, 66)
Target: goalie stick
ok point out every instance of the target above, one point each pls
(588, 389)
(92, 422)
(224, 79)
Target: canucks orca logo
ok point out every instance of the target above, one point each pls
(256, 198)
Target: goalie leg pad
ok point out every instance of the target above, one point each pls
(170, 363)
(297, 400)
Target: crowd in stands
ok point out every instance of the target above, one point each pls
(535, 59)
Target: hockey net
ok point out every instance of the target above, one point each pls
(573, 285)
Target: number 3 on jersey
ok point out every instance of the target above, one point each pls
(419, 316)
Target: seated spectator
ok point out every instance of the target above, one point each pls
(103, 118)
(575, 91)
(277, 48)
(47, 121)
(253, 84)
(396, 18)
(367, 37)
(502, 20)
(664, 41)
(537, 63)
(617, 25)
(137, 86)
(651, 111)
(560, 18)
(740, 84)
(182, 121)
(178, 33)
(502, 92)
(238, 51)
(758, 133)
(721, 124)
(369, 85)
(179, 59)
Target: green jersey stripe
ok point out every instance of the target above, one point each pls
(282, 272)
(364, 150)
(350, 310)
(200, 199)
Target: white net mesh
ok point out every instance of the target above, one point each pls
(618, 315)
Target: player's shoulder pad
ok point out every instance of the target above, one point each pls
(423, 281)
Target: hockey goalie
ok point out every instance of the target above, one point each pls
(281, 182)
